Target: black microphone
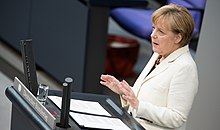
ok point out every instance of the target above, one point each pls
(65, 108)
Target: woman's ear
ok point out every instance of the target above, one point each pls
(178, 38)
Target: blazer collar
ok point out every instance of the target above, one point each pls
(173, 56)
(166, 62)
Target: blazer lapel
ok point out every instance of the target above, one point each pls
(144, 73)
(160, 68)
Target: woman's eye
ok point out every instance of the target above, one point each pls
(161, 32)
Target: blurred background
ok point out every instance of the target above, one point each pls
(58, 37)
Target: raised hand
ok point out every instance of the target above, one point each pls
(129, 95)
(112, 83)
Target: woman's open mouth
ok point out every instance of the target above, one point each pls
(155, 43)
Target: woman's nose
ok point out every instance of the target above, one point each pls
(153, 35)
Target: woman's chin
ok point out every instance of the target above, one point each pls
(155, 49)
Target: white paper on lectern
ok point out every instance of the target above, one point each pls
(100, 122)
(82, 106)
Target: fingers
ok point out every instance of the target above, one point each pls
(104, 77)
(129, 95)
(108, 78)
(105, 80)
(104, 83)
(125, 85)
(111, 82)
(126, 88)
(127, 91)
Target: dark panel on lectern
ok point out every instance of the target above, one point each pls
(16, 120)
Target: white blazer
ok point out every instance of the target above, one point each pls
(166, 95)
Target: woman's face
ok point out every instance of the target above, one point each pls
(164, 41)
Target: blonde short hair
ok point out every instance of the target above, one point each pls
(180, 21)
